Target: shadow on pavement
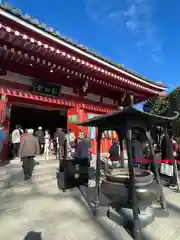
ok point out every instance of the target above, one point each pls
(110, 229)
(33, 236)
(13, 178)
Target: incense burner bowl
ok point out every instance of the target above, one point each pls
(116, 186)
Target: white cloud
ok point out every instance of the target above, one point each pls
(137, 16)
(139, 19)
(131, 25)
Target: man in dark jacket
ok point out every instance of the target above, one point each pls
(137, 152)
(29, 148)
(40, 137)
(114, 151)
(167, 154)
(59, 137)
(82, 150)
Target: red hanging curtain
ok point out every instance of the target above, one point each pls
(2, 110)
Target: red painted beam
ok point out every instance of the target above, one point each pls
(44, 73)
(83, 69)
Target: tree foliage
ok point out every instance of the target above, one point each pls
(174, 105)
(166, 106)
(157, 105)
(174, 100)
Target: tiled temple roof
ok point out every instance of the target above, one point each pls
(17, 12)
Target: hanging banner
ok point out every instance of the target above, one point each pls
(92, 130)
(109, 134)
(114, 135)
(2, 110)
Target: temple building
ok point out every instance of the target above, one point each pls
(50, 81)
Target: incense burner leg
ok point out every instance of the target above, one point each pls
(156, 172)
(137, 229)
(98, 173)
(121, 153)
(175, 168)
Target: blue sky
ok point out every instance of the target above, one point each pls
(144, 35)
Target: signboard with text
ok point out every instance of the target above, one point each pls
(49, 89)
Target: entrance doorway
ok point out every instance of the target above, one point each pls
(35, 116)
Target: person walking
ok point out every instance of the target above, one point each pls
(168, 154)
(114, 153)
(16, 139)
(81, 156)
(137, 152)
(70, 139)
(47, 141)
(29, 148)
(82, 150)
(60, 138)
(40, 136)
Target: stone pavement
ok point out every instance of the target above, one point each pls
(165, 228)
(38, 206)
(38, 210)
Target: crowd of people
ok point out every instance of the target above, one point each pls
(27, 144)
(165, 150)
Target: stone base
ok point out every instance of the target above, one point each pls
(123, 215)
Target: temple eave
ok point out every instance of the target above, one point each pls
(21, 42)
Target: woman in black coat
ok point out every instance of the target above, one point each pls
(137, 152)
(114, 151)
(167, 154)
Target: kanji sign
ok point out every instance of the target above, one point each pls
(47, 89)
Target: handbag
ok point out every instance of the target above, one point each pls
(166, 169)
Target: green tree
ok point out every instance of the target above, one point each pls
(166, 106)
(174, 105)
(157, 105)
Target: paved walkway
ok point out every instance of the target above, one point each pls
(38, 207)
(165, 228)
(38, 210)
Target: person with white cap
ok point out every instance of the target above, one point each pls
(40, 136)
(29, 148)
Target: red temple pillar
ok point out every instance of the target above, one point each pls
(79, 115)
(75, 115)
